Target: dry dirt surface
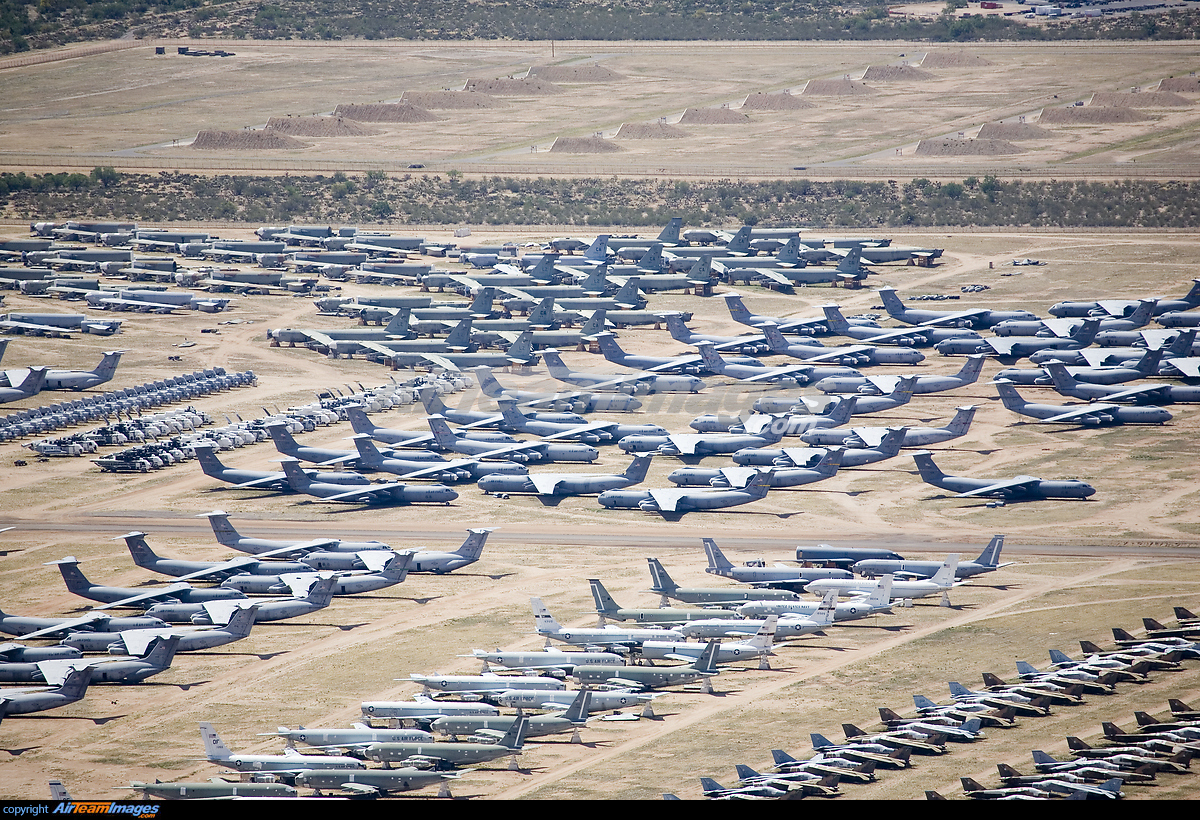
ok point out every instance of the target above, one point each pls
(649, 131)
(895, 74)
(1014, 131)
(319, 127)
(1082, 566)
(386, 112)
(775, 102)
(135, 110)
(245, 141)
(584, 145)
(1090, 114)
(453, 100)
(982, 147)
(1141, 99)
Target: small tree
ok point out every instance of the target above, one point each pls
(106, 175)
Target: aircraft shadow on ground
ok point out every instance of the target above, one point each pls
(343, 627)
(22, 750)
(551, 500)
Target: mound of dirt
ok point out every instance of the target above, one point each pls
(895, 73)
(836, 88)
(385, 112)
(584, 145)
(774, 102)
(319, 127)
(953, 59)
(505, 87)
(649, 131)
(1089, 115)
(1142, 99)
(951, 147)
(1014, 131)
(245, 141)
(575, 74)
(713, 116)
(452, 100)
(1184, 85)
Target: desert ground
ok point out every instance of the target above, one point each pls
(1082, 566)
(851, 110)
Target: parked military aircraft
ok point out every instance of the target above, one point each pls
(191, 639)
(450, 754)
(269, 609)
(561, 484)
(652, 677)
(975, 317)
(756, 572)
(610, 635)
(290, 763)
(69, 379)
(940, 582)
(878, 385)
(1092, 414)
(548, 661)
(665, 586)
(871, 333)
(228, 536)
(370, 458)
(848, 355)
(988, 561)
(607, 608)
(373, 782)
(571, 719)
(865, 437)
(212, 789)
(678, 500)
(78, 584)
(550, 448)
(1019, 488)
(23, 702)
(640, 383)
(579, 402)
(30, 383)
(392, 493)
(827, 467)
(206, 454)
(1144, 393)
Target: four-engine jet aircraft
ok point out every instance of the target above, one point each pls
(976, 317)
(291, 762)
(652, 677)
(612, 636)
(988, 561)
(874, 334)
(228, 536)
(779, 576)
(371, 782)
(572, 718)
(1093, 414)
(393, 493)
(879, 385)
(191, 639)
(579, 402)
(681, 500)
(72, 688)
(642, 382)
(31, 382)
(560, 484)
(69, 379)
(1019, 488)
(665, 586)
(607, 608)
(550, 448)
(438, 754)
(78, 584)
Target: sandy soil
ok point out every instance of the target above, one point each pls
(1083, 565)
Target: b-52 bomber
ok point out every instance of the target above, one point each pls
(1018, 488)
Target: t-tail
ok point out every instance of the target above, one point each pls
(225, 533)
(73, 577)
(1064, 382)
(961, 423)
(679, 330)
(321, 593)
(635, 473)
(1085, 334)
(830, 462)
(775, 339)
(718, 564)
(990, 557)
(737, 310)
(206, 454)
(75, 684)
(930, 472)
(242, 621)
(1182, 346)
(842, 412)
(431, 401)
(161, 652)
(740, 241)
(472, 548)
(605, 605)
(610, 349)
(1141, 315)
(557, 367)
(969, 373)
(711, 359)
(359, 420)
(892, 304)
(443, 436)
(282, 436)
(214, 748)
(34, 381)
(1148, 364)
(543, 621)
(108, 365)
(143, 556)
(296, 477)
(487, 383)
(512, 417)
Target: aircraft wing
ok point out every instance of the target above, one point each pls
(687, 442)
(738, 476)
(153, 595)
(227, 566)
(581, 429)
(871, 436)
(1095, 356)
(258, 482)
(674, 363)
(302, 547)
(1018, 483)
(137, 641)
(1079, 412)
(1189, 366)
(953, 317)
(546, 484)
(375, 560)
(300, 582)
(838, 352)
(885, 384)
(515, 291)
(1138, 390)
(65, 626)
(49, 330)
(777, 372)
(1156, 338)
(321, 338)
(358, 788)
(627, 684)
(368, 492)
(219, 612)
(441, 361)
(1115, 307)
(55, 672)
(158, 306)
(668, 500)
(767, 273)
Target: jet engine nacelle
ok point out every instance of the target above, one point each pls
(720, 482)
(648, 505)
(668, 449)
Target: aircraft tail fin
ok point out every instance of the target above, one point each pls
(1085, 334)
(1040, 758)
(737, 310)
(780, 757)
(321, 593)
(398, 324)
(577, 712)
(744, 772)
(852, 261)
(460, 335)
(554, 363)
(903, 392)
(297, 479)
(214, 748)
(970, 785)
(670, 234)
(73, 577)
(717, 562)
(789, 254)
(1183, 614)
(443, 436)
(1142, 313)
(652, 259)
(1063, 381)
(888, 716)
(834, 318)
(368, 453)
(764, 638)
(482, 304)
(58, 791)
(1182, 346)
(108, 365)
(1176, 706)
(1090, 648)
(605, 605)
(679, 330)
(957, 690)
(472, 548)
(892, 441)
(969, 372)
(431, 401)
(514, 738)
(702, 270)
(598, 250)
(487, 383)
(635, 473)
(990, 557)
(594, 326)
(359, 419)
(242, 621)
(282, 436)
(843, 410)
(596, 281)
(226, 534)
(961, 423)
(740, 241)
(75, 684)
(206, 454)
(1058, 656)
(819, 741)
(990, 679)
(709, 356)
(162, 651)
(1121, 635)
(610, 349)
(512, 416)
(34, 381)
(662, 582)
(707, 662)
(830, 462)
(930, 472)
(544, 622)
(891, 303)
(544, 269)
(1077, 745)
(1148, 364)
(851, 731)
(1152, 624)
(922, 702)
(143, 556)
(709, 785)
(882, 595)
(522, 349)
(629, 294)
(775, 339)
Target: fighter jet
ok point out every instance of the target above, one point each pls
(677, 500)
(290, 762)
(563, 484)
(436, 754)
(22, 702)
(611, 636)
(973, 318)
(1019, 488)
(988, 561)
(665, 586)
(607, 608)
(1092, 414)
